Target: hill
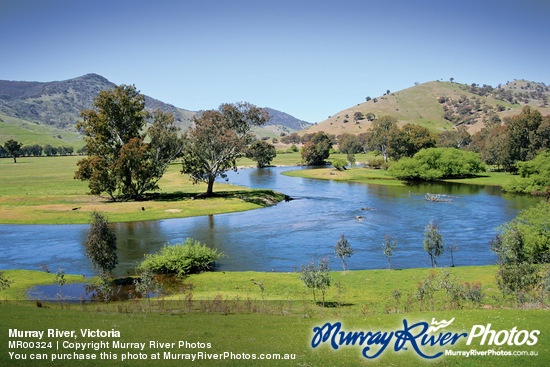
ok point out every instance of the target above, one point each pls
(47, 112)
(441, 106)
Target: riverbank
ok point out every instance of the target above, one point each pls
(43, 191)
(263, 312)
(381, 177)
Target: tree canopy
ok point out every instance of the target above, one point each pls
(262, 152)
(525, 238)
(378, 136)
(437, 163)
(317, 150)
(125, 159)
(217, 139)
(13, 149)
(101, 244)
(534, 175)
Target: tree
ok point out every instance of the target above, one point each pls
(408, 140)
(523, 249)
(13, 148)
(358, 116)
(343, 250)
(218, 138)
(349, 143)
(101, 244)
(458, 138)
(316, 277)
(534, 175)
(49, 150)
(262, 152)
(433, 242)
(522, 130)
(388, 246)
(317, 149)
(526, 238)
(437, 163)
(379, 135)
(120, 161)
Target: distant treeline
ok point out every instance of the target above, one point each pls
(37, 150)
(500, 143)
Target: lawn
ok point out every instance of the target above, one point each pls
(381, 177)
(43, 191)
(231, 313)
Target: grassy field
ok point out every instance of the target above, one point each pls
(29, 133)
(42, 191)
(381, 177)
(230, 312)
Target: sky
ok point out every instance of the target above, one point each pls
(310, 59)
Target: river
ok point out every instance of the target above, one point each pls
(282, 237)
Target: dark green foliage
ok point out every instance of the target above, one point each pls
(181, 259)
(262, 152)
(13, 148)
(120, 162)
(218, 138)
(408, 140)
(317, 149)
(438, 163)
(534, 175)
(101, 244)
(349, 143)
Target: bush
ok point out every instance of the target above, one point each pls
(535, 175)
(182, 259)
(377, 163)
(339, 164)
(438, 163)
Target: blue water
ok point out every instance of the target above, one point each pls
(282, 237)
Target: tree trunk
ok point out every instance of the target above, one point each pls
(14, 159)
(210, 188)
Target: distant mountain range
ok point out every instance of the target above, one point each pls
(36, 112)
(46, 113)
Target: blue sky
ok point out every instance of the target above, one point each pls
(307, 58)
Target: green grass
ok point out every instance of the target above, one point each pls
(42, 191)
(30, 133)
(381, 177)
(270, 328)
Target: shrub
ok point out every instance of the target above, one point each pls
(182, 259)
(438, 163)
(339, 164)
(101, 244)
(377, 163)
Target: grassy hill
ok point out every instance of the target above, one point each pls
(30, 133)
(441, 106)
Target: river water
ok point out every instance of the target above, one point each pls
(282, 237)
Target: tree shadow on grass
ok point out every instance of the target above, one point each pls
(259, 197)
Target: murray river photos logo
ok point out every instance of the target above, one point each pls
(418, 336)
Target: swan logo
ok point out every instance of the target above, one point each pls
(439, 325)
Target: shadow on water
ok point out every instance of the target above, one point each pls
(121, 289)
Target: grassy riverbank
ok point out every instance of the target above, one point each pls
(230, 311)
(42, 191)
(381, 177)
